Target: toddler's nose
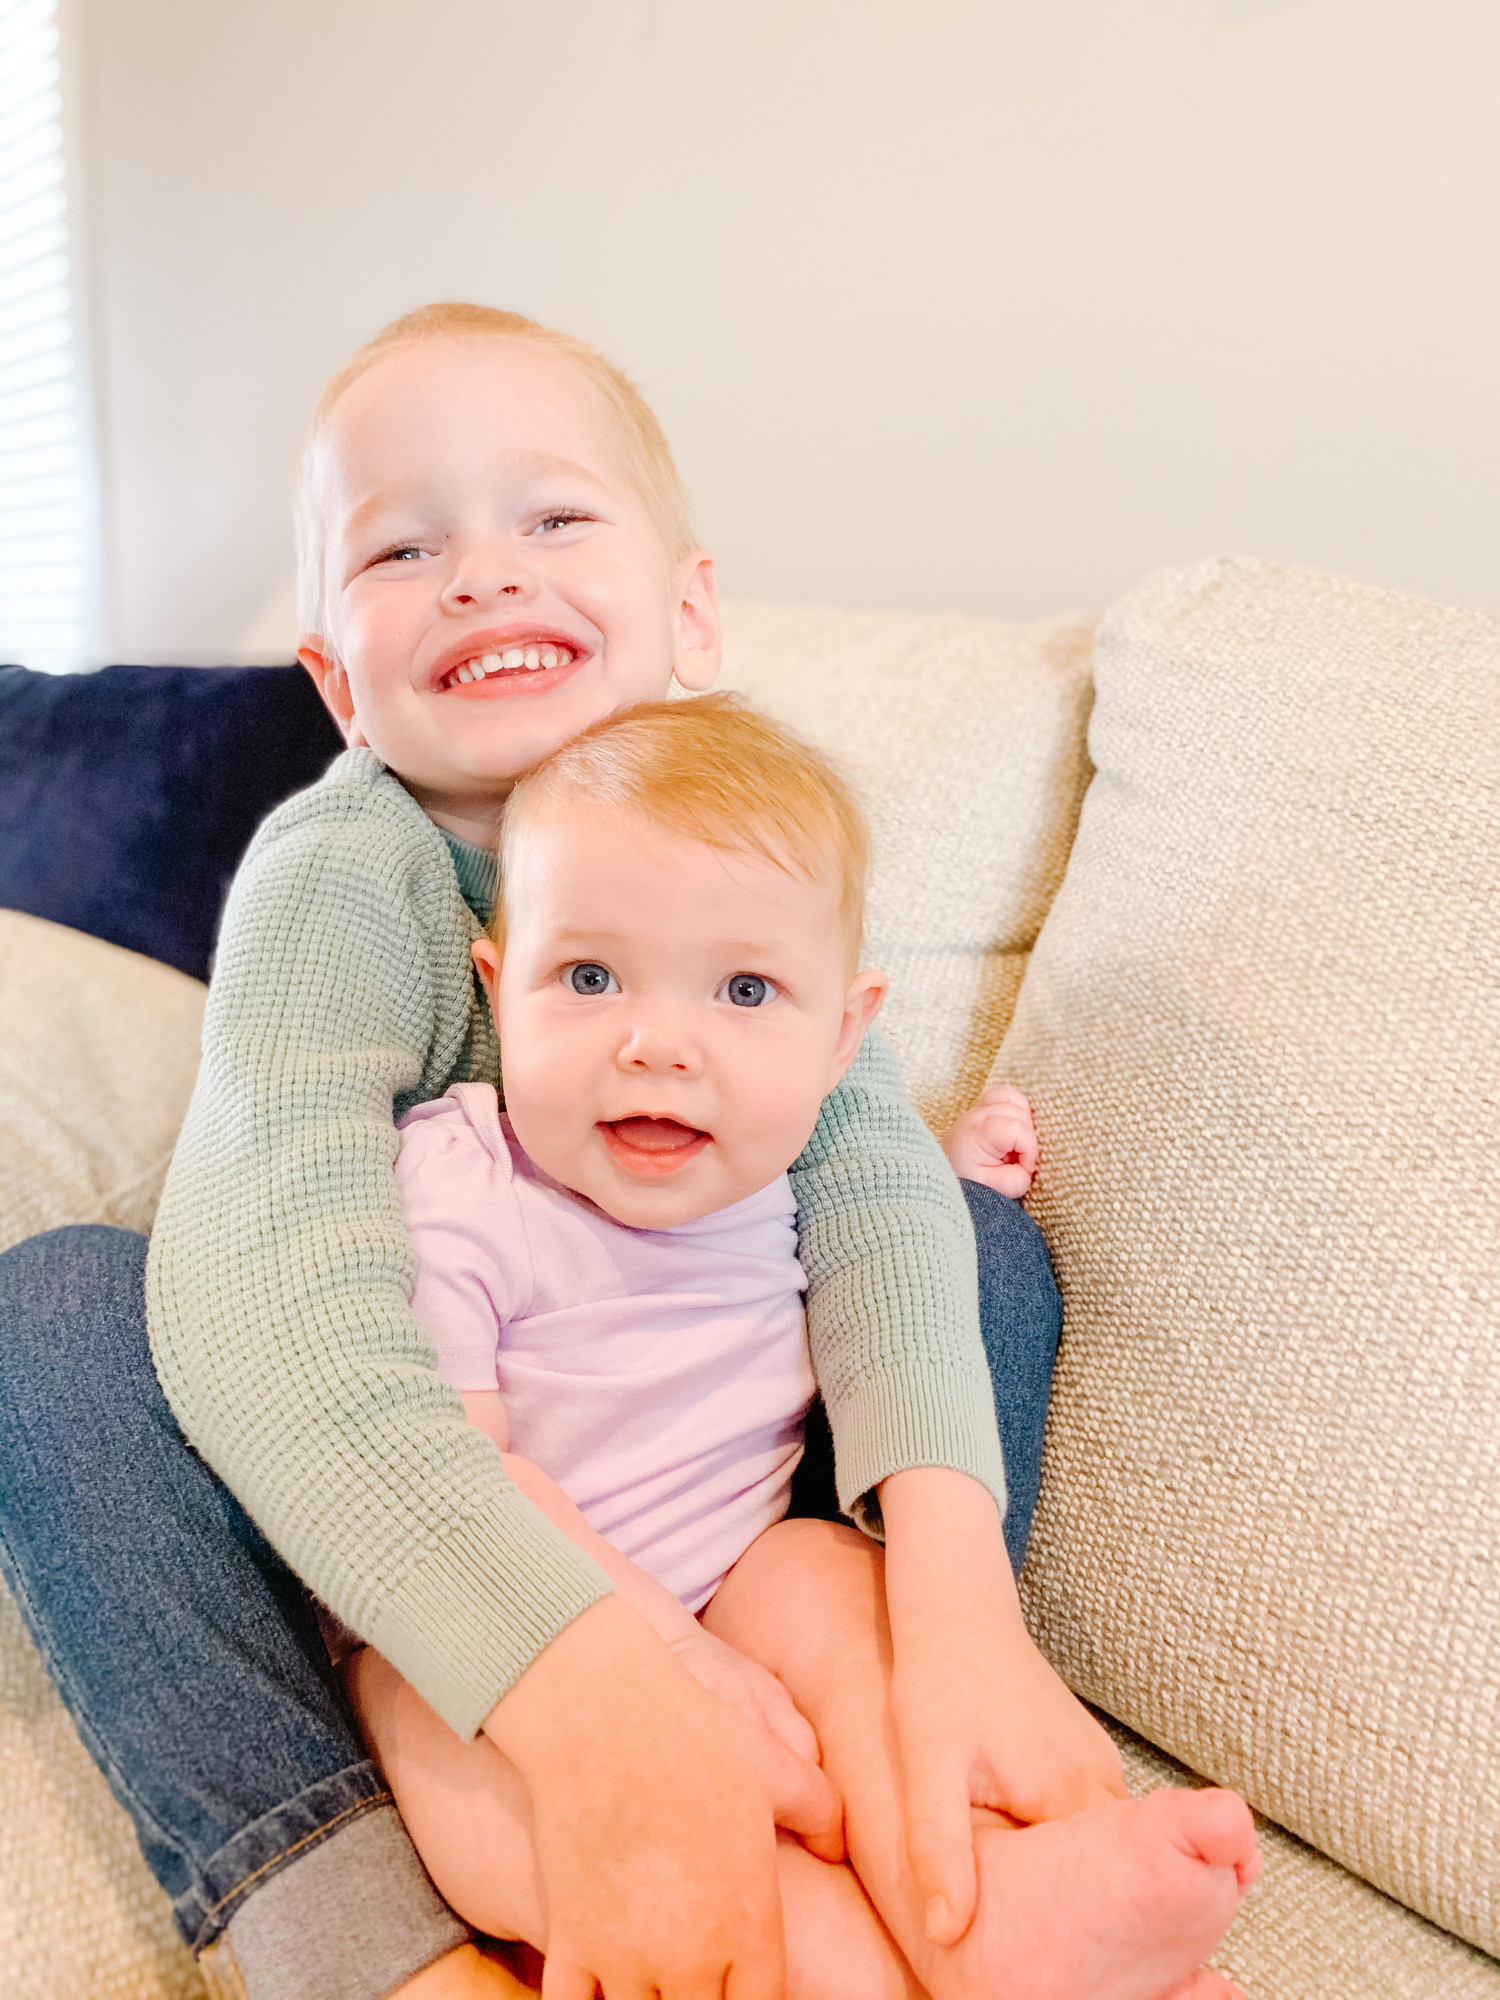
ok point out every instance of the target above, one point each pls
(484, 576)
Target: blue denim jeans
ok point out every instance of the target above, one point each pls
(188, 1654)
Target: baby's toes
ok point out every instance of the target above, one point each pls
(1222, 1832)
(1205, 1985)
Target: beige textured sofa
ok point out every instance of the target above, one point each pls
(1260, 1024)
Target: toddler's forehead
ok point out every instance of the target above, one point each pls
(496, 387)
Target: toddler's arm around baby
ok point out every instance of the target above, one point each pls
(280, 1269)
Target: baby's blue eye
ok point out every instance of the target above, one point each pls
(746, 989)
(591, 979)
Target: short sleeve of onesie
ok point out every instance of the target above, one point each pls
(456, 1182)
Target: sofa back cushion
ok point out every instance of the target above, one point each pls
(1262, 1031)
(127, 797)
(965, 738)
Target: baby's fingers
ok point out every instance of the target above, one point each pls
(1005, 1093)
(1005, 1134)
(805, 1802)
(939, 1835)
(786, 1722)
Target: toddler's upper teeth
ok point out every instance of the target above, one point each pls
(549, 656)
(466, 673)
(513, 656)
(490, 664)
(533, 659)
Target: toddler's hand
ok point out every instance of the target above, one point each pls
(995, 1142)
(980, 1717)
(655, 1809)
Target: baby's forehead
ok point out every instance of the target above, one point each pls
(567, 856)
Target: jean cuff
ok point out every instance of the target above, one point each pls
(324, 1899)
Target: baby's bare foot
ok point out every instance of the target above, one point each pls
(1121, 1902)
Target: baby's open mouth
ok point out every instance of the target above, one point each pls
(533, 657)
(653, 1145)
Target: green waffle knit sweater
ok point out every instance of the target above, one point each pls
(279, 1270)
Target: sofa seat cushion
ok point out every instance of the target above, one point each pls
(965, 738)
(1309, 1930)
(98, 1056)
(1262, 1028)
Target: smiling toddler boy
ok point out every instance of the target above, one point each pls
(495, 555)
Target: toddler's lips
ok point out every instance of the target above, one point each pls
(653, 1145)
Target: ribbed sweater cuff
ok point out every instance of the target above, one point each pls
(464, 1625)
(897, 1419)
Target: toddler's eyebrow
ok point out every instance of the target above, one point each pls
(524, 465)
(543, 465)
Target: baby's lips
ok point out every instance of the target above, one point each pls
(656, 1135)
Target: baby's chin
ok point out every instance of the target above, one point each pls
(659, 1184)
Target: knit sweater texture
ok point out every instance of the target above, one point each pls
(279, 1274)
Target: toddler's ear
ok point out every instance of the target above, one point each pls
(861, 1004)
(332, 683)
(696, 660)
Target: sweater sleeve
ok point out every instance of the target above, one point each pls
(280, 1271)
(893, 1291)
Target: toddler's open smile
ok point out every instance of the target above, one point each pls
(506, 658)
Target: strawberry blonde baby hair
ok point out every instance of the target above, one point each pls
(709, 769)
(647, 455)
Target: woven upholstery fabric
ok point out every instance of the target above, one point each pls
(98, 1051)
(965, 738)
(1309, 1931)
(1261, 1029)
(80, 1916)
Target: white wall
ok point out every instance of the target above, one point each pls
(977, 304)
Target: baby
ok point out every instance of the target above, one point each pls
(608, 1271)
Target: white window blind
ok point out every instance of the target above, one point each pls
(46, 459)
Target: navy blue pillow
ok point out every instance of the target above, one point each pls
(128, 796)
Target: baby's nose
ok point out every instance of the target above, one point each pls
(660, 1047)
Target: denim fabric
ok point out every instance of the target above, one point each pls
(1020, 1316)
(188, 1653)
(185, 1650)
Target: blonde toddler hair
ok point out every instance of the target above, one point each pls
(648, 457)
(713, 770)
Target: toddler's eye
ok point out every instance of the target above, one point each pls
(590, 979)
(746, 989)
(560, 517)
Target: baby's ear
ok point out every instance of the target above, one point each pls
(487, 964)
(699, 648)
(867, 990)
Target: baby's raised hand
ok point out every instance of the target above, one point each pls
(995, 1142)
